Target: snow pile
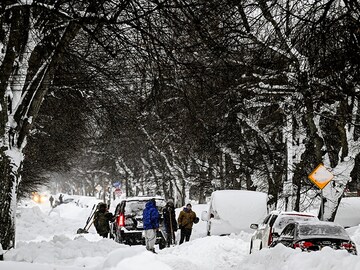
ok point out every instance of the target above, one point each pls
(281, 257)
(213, 252)
(84, 201)
(62, 250)
(126, 261)
(32, 221)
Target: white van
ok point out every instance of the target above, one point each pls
(232, 211)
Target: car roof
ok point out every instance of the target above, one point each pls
(292, 213)
(143, 198)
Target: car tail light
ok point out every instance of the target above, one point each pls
(348, 245)
(303, 245)
(270, 237)
(121, 220)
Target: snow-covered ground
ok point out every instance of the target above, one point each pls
(47, 239)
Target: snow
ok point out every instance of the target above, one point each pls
(320, 229)
(345, 214)
(288, 217)
(232, 212)
(47, 239)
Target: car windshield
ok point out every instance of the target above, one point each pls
(321, 230)
(137, 207)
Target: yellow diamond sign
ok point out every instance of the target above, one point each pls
(320, 176)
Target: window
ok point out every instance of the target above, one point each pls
(272, 220)
(266, 219)
(322, 230)
(288, 231)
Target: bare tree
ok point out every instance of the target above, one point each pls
(34, 38)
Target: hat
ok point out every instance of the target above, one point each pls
(189, 204)
(170, 202)
(102, 205)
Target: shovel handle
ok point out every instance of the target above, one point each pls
(89, 225)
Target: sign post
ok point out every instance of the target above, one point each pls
(320, 176)
(118, 192)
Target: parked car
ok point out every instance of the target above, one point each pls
(229, 211)
(345, 212)
(313, 236)
(128, 225)
(272, 226)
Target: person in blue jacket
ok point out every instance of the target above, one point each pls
(151, 224)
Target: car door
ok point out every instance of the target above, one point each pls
(257, 238)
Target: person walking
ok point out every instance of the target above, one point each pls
(186, 220)
(61, 199)
(51, 199)
(102, 217)
(170, 223)
(151, 224)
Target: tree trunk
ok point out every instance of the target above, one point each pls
(23, 92)
(249, 182)
(8, 183)
(10, 156)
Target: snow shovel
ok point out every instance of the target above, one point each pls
(86, 228)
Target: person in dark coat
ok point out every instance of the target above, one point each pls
(170, 223)
(51, 199)
(151, 224)
(186, 220)
(60, 199)
(102, 217)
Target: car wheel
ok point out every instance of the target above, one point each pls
(162, 244)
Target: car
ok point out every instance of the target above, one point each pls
(229, 211)
(313, 236)
(272, 226)
(128, 225)
(38, 198)
(68, 200)
(345, 212)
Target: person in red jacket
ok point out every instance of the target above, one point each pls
(186, 220)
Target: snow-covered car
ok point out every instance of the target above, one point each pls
(345, 212)
(273, 225)
(232, 211)
(68, 200)
(313, 236)
(128, 225)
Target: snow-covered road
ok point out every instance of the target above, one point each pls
(48, 240)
